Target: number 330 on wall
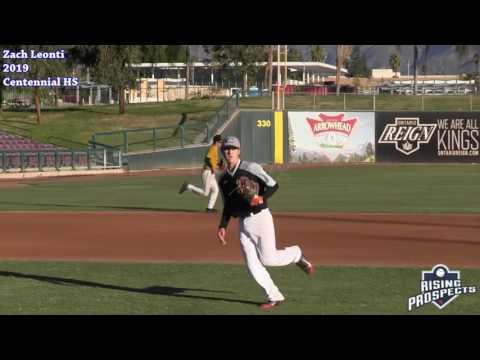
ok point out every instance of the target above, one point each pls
(264, 123)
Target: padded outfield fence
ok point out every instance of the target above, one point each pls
(15, 161)
(195, 130)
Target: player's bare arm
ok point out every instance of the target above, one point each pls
(221, 235)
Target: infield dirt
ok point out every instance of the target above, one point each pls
(327, 239)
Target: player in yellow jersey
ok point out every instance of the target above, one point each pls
(210, 186)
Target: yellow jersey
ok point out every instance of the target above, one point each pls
(212, 158)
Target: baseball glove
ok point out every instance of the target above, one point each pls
(248, 190)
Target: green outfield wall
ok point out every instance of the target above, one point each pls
(339, 137)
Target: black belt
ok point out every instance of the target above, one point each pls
(250, 213)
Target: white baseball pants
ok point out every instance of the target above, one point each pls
(210, 188)
(257, 239)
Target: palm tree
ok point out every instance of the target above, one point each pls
(318, 53)
(394, 62)
(465, 51)
(416, 49)
(269, 68)
(343, 52)
(187, 70)
(415, 59)
(476, 61)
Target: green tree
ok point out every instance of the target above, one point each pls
(394, 62)
(153, 53)
(176, 53)
(357, 64)
(42, 69)
(114, 68)
(294, 55)
(318, 53)
(84, 57)
(12, 48)
(468, 77)
(243, 57)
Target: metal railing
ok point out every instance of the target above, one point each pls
(132, 140)
(44, 160)
(151, 139)
(221, 116)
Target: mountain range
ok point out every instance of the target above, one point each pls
(439, 60)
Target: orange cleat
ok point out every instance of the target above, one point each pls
(306, 266)
(270, 304)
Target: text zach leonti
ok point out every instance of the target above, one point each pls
(33, 54)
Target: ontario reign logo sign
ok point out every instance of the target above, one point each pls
(407, 134)
(440, 286)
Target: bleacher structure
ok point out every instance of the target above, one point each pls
(18, 153)
(17, 143)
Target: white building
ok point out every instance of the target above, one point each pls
(384, 74)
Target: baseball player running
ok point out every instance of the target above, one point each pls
(210, 185)
(245, 189)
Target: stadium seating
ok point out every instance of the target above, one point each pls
(10, 142)
(12, 146)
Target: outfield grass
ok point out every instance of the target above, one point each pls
(365, 102)
(64, 126)
(356, 188)
(110, 288)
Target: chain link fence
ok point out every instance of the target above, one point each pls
(154, 92)
(370, 102)
(23, 98)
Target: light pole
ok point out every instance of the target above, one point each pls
(187, 67)
(279, 77)
(415, 58)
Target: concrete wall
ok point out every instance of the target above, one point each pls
(255, 129)
(191, 156)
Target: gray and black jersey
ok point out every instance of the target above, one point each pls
(234, 204)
